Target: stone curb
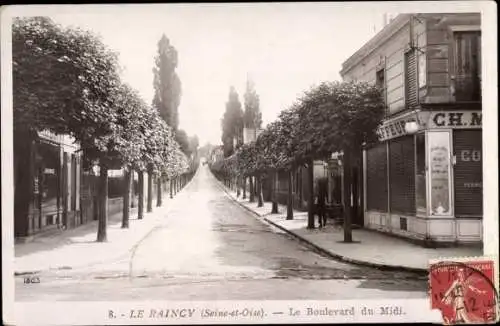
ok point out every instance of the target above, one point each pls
(326, 252)
(130, 249)
(351, 260)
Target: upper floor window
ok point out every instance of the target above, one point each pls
(467, 58)
(380, 82)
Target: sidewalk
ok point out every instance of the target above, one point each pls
(370, 248)
(78, 247)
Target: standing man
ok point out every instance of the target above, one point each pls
(322, 194)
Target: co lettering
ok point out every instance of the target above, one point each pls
(470, 155)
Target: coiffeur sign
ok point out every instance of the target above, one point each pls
(395, 127)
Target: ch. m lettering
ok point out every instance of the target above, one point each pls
(454, 119)
(457, 119)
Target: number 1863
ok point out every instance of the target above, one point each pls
(31, 279)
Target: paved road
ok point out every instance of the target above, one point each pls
(209, 248)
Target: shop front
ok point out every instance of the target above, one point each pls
(47, 185)
(426, 183)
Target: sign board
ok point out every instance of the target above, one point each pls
(431, 120)
(395, 127)
(455, 119)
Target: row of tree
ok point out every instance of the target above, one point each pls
(332, 117)
(66, 81)
(235, 118)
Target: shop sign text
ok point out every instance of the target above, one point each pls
(394, 129)
(461, 120)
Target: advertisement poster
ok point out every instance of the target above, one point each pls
(439, 163)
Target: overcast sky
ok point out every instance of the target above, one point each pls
(285, 48)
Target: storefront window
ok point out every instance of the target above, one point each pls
(335, 186)
(420, 191)
(49, 185)
(439, 166)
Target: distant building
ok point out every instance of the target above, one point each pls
(251, 134)
(217, 154)
(423, 180)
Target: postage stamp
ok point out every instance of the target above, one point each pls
(464, 291)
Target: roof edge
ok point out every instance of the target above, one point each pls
(390, 29)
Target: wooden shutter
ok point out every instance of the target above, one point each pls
(402, 175)
(376, 178)
(468, 172)
(467, 66)
(411, 91)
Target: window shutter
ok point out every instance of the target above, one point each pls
(376, 178)
(411, 91)
(402, 175)
(467, 65)
(468, 172)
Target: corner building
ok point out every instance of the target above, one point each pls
(423, 179)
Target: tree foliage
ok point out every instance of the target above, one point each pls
(64, 80)
(67, 81)
(194, 143)
(166, 82)
(334, 116)
(232, 122)
(182, 138)
(252, 115)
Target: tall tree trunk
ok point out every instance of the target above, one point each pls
(251, 190)
(126, 198)
(244, 188)
(238, 186)
(347, 196)
(301, 187)
(259, 191)
(171, 187)
(274, 209)
(103, 204)
(150, 191)
(310, 200)
(159, 192)
(289, 206)
(132, 190)
(140, 206)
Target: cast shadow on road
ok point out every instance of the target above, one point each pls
(245, 241)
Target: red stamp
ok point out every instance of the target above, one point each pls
(464, 292)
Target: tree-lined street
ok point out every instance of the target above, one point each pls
(115, 199)
(208, 247)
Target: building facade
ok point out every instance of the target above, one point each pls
(423, 180)
(48, 178)
(217, 154)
